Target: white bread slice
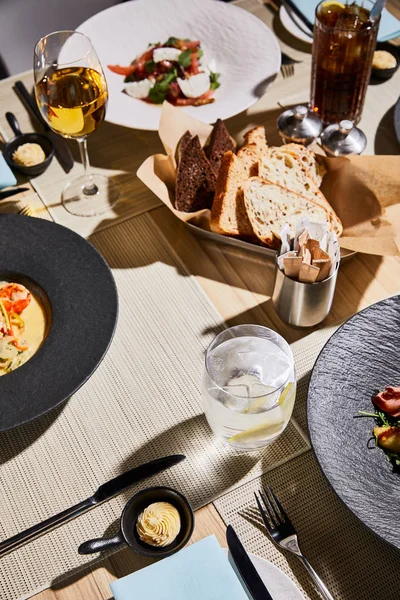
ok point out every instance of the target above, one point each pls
(307, 158)
(283, 168)
(270, 207)
(256, 136)
(228, 214)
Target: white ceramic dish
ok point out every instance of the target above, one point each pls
(294, 26)
(244, 49)
(279, 585)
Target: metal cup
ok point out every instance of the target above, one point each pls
(303, 304)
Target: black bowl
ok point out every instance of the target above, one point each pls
(136, 506)
(386, 73)
(29, 138)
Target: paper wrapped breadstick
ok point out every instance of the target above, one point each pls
(285, 237)
(324, 266)
(282, 257)
(291, 266)
(315, 254)
(308, 273)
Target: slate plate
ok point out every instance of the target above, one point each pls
(360, 358)
(81, 302)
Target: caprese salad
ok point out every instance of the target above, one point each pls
(172, 71)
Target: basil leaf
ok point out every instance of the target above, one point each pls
(185, 58)
(149, 65)
(169, 78)
(200, 53)
(156, 95)
(214, 83)
(171, 41)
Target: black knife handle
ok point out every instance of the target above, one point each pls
(121, 482)
(45, 526)
(30, 103)
(13, 123)
(101, 544)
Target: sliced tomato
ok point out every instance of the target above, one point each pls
(192, 101)
(140, 62)
(194, 65)
(122, 70)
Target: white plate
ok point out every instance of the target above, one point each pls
(279, 585)
(294, 25)
(244, 49)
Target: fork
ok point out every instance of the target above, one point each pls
(282, 532)
(287, 65)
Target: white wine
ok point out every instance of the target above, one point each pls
(72, 100)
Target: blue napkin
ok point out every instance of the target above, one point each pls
(389, 27)
(199, 572)
(6, 175)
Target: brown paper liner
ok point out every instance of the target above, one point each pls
(363, 190)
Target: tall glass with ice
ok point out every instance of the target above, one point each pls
(343, 46)
(249, 386)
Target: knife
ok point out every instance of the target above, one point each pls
(247, 570)
(62, 151)
(289, 4)
(104, 492)
(8, 193)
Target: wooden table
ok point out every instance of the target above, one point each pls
(239, 284)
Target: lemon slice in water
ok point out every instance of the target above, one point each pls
(260, 432)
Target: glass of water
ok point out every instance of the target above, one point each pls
(249, 386)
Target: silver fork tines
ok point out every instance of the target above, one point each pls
(281, 530)
(287, 65)
(287, 71)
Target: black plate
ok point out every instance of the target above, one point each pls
(360, 358)
(82, 310)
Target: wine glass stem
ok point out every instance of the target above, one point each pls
(89, 189)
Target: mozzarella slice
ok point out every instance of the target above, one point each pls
(171, 54)
(139, 89)
(195, 86)
(211, 67)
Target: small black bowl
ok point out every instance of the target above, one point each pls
(386, 73)
(27, 138)
(128, 534)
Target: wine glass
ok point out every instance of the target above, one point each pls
(71, 92)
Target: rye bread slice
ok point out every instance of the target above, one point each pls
(183, 142)
(195, 180)
(220, 142)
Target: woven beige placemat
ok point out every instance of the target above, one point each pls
(353, 562)
(143, 402)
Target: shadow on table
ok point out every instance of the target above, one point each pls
(355, 276)
(385, 138)
(180, 439)
(13, 442)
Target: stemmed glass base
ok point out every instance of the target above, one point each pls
(83, 201)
